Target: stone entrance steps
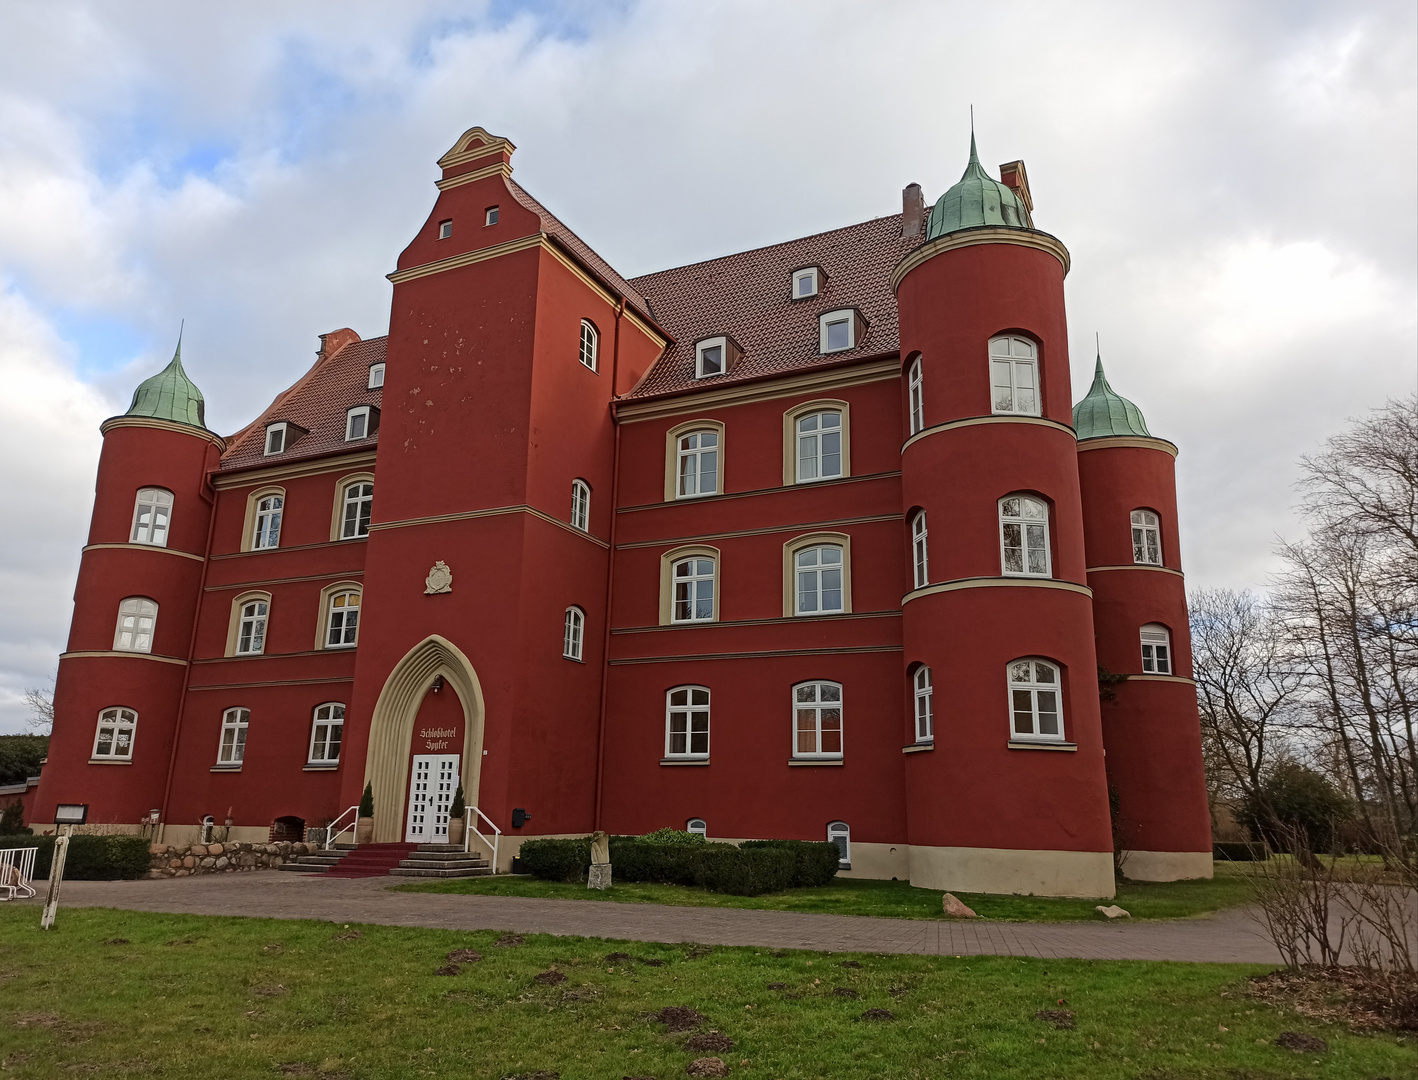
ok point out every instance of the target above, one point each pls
(442, 861)
(320, 862)
(370, 860)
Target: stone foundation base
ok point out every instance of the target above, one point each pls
(1011, 871)
(598, 876)
(189, 859)
(1167, 865)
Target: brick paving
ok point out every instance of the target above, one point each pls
(1230, 936)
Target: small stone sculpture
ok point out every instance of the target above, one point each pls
(439, 580)
(599, 876)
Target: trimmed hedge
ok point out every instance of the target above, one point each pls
(757, 867)
(1239, 852)
(90, 858)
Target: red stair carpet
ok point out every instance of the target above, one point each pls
(370, 860)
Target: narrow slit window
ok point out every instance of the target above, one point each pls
(919, 553)
(916, 396)
(573, 633)
(925, 709)
(590, 343)
(580, 505)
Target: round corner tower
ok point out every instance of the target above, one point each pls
(120, 682)
(1008, 792)
(1150, 722)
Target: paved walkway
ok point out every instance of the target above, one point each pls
(1230, 936)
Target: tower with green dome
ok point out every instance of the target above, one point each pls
(170, 395)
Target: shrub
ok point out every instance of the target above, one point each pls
(672, 836)
(1238, 852)
(816, 862)
(12, 819)
(1293, 798)
(459, 808)
(90, 858)
(366, 801)
(556, 860)
(745, 873)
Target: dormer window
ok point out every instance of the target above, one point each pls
(490, 216)
(275, 438)
(839, 331)
(805, 282)
(709, 358)
(376, 376)
(445, 229)
(361, 422)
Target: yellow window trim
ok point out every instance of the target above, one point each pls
(667, 589)
(672, 437)
(337, 507)
(790, 551)
(790, 440)
(233, 631)
(254, 496)
(322, 620)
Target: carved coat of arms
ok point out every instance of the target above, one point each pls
(439, 580)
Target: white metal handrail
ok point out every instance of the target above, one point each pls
(331, 832)
(469, 830)
(16, 872)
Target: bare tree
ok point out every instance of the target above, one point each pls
(41, 706)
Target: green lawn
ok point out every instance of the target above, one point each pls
(891, 899)
(115, 993)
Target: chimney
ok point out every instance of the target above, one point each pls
(1013, 176)
(334, 341)
(913, 211)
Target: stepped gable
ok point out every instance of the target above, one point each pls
(317, 402)
(748, 297)
(553, 226)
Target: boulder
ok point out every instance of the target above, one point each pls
(956, 908)
(1112, 911)
(215, 849)
(189, 862)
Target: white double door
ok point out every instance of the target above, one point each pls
(432, 782)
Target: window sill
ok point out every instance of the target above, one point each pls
(330, 766)
(916, 748)
(110, 761)
(815, 761)
(684, 761)
(573, 659)
(226, 768)
(1032, 744)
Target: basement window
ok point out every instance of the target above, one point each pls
(445, 229)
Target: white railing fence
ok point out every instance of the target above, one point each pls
(469, 829)
(335, 828)
(16, 872)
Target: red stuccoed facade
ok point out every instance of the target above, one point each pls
(806, 542)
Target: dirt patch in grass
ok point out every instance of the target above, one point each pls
(714, 1042)
(679, 1018)
(707, 1066)
(304, 1068)
(849, 964)
(117, 941)
(448, 969)
(1301, 1043)
(74, 1031)
(1366, 1001)
(846, 992)
(353, 935)
(777, 986)
(270, 990)
(535, 1076)
(1060, 1018)
(878, 1014)
(549, 978)
(510, 941)
(464, 956)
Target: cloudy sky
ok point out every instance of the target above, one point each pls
(1234, 180)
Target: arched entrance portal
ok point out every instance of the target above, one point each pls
(391, 729)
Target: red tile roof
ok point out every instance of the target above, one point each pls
(317, 402)
(748, 297)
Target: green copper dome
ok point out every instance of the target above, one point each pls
(170, 395)
(1104, 412)
(976, 201)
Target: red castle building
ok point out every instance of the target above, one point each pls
(808, 541)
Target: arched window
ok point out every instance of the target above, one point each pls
(580, 505)
(697, 825)
(693, 582)
(137, 620)
(114, 738)
(819, 446)
(342, 623)
(818, 575)
(920, 556)
(914, 394)
(1024, 536)
(268, 522)
(251, 628)
(231, 750)
(573, 633)
(150, 516)
(1146, 538)
(817, 720)
(590, 341)
(840, 833)
(358, 505)
(326, 734)
(1014, 376)
(1034, 701)
(698, 464)
(687, 722)
(925, 709)
(1156, 649)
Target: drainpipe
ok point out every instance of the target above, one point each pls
(610, 571)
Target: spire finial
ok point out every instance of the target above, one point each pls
(1098, 352)
(177, 355)
(974, 157)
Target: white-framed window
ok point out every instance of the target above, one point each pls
(342, 623)
(698, 465)
(687, 722)
(840, 833)
(590, 344)
(693, 582)
(915, 395)
(267, 534)
(920, 556)
(1146, 538)
(573, 633)
(490, 216)
(275, 438)
(819, 446)
(357, 423)
(697, 825)
(581, 505)
(114, 737)
(251, 629)
(818, 580)
(804, 283)
(925, 707)
(376, 376)
(1035, 701)
(1156, 649)
(137, 620)
(326, 733)
(817, 720)
(1024, 537)
(151, 513)
(359, 505)
(445, 229)
(231, 750)
(837, 331)
(711, 357)
(1014, 376)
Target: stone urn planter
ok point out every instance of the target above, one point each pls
(364, 830)
(456, 827)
